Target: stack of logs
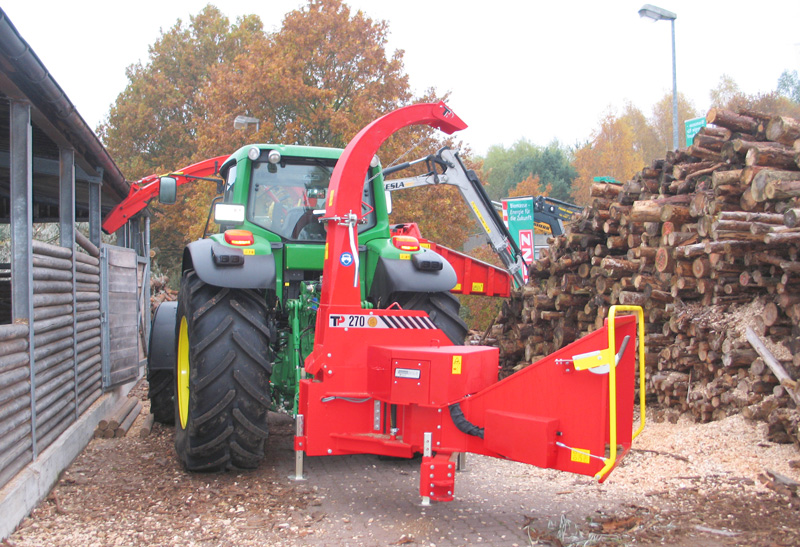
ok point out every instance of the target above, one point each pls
(705, 241)
(160, 292)
(120, 422)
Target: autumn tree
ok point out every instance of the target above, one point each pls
(728, 95)
(531, 186)
(609, 153)
(646, 140)
(315, 81)
(154, 123)
(661, 122)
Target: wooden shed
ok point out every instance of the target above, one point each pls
(74, 311)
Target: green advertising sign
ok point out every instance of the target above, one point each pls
(518, 218)
(692, 127)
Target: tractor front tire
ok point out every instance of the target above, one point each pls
(442, 307)
(222, 379)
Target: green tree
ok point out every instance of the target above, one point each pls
(498, 167)
(789, 85)
(506, 168)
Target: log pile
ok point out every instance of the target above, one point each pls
(707, 241)
(160, 292)
(120, 422)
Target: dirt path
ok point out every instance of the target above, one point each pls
(699, 487)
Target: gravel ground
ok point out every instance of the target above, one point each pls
(684, 484)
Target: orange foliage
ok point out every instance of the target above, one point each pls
(611, 153)
(531, 186)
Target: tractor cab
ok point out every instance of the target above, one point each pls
(284, 190)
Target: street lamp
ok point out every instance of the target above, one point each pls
(243, 122)
(658, 14)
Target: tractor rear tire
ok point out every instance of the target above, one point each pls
(222, 381)
(161, 392)
(442, 307)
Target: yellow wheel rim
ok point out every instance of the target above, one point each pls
(183, 373)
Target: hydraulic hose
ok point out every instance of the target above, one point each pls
(462, 424)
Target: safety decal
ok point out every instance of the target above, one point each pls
(579, 455)
(361, 321)
(346, 259)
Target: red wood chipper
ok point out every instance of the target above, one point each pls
(388, 382)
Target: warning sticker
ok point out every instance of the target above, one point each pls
(579, 455)
(456, 364)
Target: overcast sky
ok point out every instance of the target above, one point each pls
(515, 69)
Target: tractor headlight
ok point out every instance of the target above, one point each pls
(228, 213)
(253, 153)
(274, 157)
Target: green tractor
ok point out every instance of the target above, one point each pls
(233, 346)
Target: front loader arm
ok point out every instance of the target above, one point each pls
(143, 190)
(471, 190)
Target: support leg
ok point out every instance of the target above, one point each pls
(299, 449)
(427, 452)
(461, 462)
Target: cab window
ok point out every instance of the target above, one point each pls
(283, 198)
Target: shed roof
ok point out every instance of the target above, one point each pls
(56, 124)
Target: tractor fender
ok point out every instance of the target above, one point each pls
(254, 272)
(399, 275)
(162, 354)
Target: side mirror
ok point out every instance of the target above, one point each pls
(316, 193)
(167, 190)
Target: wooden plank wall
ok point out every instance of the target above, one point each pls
(88, 326)
(16, 445)
(123, 294)
(67, 354)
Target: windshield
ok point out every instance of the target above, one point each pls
(283, 198)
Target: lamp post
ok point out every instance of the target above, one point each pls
(659, 14)
(243, 122)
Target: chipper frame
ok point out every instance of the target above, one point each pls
(388, 382)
